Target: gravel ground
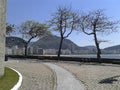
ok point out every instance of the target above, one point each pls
(36, 76)
(95, 76)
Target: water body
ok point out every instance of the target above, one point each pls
(111, 56)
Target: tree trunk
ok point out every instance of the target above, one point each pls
(59, 52)
(98, 48)
(26, 46)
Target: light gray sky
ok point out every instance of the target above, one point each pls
(19, 11)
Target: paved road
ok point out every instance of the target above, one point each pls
(65, 80)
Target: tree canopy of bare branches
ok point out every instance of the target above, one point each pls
(9, 29)
(96, 22)
(31, 29)
(63, 21)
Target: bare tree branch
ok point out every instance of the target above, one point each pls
(64, 21)
(32, 29)
(96, 22)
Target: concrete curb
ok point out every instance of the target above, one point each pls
(17, 86)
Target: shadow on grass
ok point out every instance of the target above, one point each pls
(109, 80)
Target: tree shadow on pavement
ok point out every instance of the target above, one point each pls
(109, 80)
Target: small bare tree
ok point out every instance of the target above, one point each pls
(31, 30)
(9, 29)
(64, 22)
(96, 22)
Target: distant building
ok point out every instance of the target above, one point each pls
(66, 52)
(50, 52)
(15, 50)
(35, 51)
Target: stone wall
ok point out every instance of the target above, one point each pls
(2, 34)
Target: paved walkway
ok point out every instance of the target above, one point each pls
(36, 75)
(65, 80)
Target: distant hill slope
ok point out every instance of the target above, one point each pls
(90, 47)
(113, 48)
(52, 42)
(13, 41)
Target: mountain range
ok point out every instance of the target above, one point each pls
(52, 42)
(116, 47)
(13, 41)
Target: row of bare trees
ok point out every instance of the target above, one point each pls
(64, 21)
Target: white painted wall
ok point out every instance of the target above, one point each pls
(2, 34)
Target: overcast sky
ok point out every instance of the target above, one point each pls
(19, 11)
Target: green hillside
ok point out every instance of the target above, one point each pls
(52, 42)
(117, 47)
(13, 41)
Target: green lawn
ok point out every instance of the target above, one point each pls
(9, 79)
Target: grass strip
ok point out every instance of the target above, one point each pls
(9, 79)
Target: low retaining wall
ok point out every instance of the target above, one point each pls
(62, 58)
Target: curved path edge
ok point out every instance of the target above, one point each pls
(55, 77)
(65, 80)
(17, 86)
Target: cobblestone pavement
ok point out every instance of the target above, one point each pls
(36, 76)
(95, 76)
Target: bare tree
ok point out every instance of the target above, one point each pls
(9, 29)
(64, 22)
(96, 22)
(31, 30)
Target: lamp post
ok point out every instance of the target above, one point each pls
(2, 34)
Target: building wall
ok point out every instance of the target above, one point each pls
(2, 34)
